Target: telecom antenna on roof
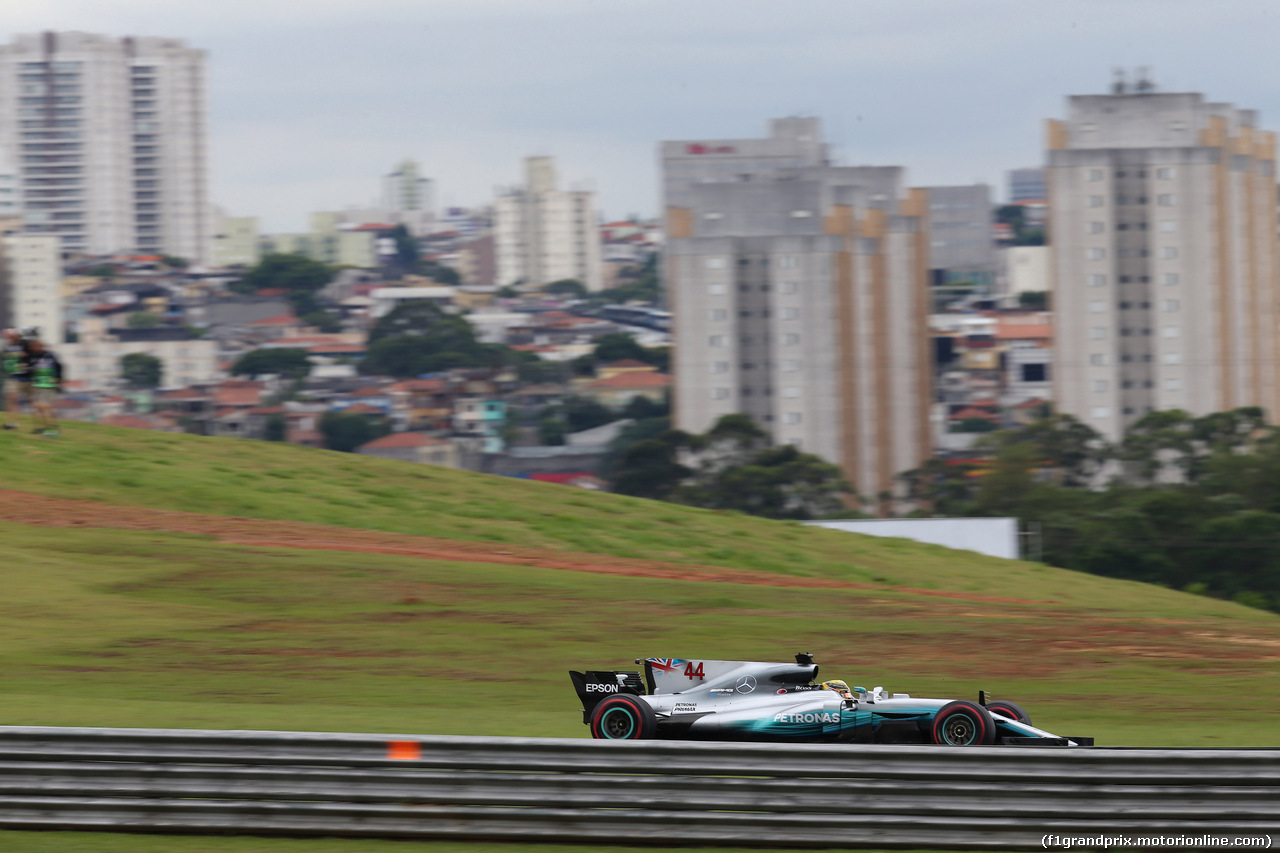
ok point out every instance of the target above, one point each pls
(1118, 84)
(1145, 83)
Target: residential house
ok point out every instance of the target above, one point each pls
(413, 447)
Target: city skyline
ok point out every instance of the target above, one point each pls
(309, 114)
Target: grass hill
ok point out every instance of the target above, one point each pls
(142, 609)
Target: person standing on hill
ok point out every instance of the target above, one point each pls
(17, 376)
(46, 382)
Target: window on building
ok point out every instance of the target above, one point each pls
(719, 367)
(1166, 199)
(1168, 252)
(788, 287)
(1171, 331)
(1097, 280)
(1168, 225)
(1034, 372)
(1101, 385)
(1096, 228)
(1098, 333)
(1095, 201)
(715, 263)
(790, 339)
(1171, 305)
(1169, 278)
(1173, 358)
(1097, 306)
(789, 313)
(1095, 254)
(1165, 173)
(717, 314)
(791, 391)
(791, 417)
(788, 261)
(716, 289)
(1095, 174)
(716, 340)
(1173, 384)
(790, 365)
(1098, 359)
(1100, 411)
(719, 393)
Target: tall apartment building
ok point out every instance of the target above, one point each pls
(544, 234)
(961, 244)
(410, 198)
(792, 143)
(108, 137)
(31, 282)
(1026, 185)
(801, 299)
(1164, 257)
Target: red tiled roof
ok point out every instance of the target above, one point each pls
(362, 409)
(237, 397)
(985, 403)
(367, 391)
(278, 320)
(632, 380)
(1030, 404)
(965, 414)
(398, 440)
(1022, 331)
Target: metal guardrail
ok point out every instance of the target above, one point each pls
(633, 792)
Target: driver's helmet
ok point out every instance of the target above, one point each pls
(839, 687)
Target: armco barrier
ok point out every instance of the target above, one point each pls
(634, 792)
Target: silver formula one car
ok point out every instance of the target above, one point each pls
(745, 700)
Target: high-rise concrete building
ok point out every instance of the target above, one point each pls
(801, 299)
(791, 143)
(543, 234)
(1026, 185)
(961, 243)
(1164, 257)
(31, 282)
(410, 198)
(108, 136)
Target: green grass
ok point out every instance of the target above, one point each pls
(126, 628)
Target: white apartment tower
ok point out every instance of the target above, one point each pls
(410, 198)
(543, 234)
(108, 137)
(31, 282)
(800, 298)
(1164, 262)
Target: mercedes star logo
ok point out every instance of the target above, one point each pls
(746, 684)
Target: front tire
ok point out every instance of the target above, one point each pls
(1012, 710)
(623, 717)
(962, 723)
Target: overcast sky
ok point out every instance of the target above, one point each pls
(312, 100)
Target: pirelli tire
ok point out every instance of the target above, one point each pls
(1012, 710)
(623, 717)
(963, 723)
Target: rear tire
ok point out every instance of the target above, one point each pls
(962, 723)
(1012, 710)
(623, 717)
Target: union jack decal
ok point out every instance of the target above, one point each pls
(665, 664)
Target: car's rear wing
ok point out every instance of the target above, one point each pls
(595, 685)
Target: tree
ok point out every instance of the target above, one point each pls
(345, 432)
(174, 262)
(776, 482)
(299, 276)
(651, 468)
(417, 337)
(289, 362)
(103, 271)
(617, 346)
(275, 428)
(567, 287)
(143, 320)
(1035, 300)
(324, 321)
(141, 371)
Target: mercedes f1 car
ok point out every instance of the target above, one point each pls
(744, 700)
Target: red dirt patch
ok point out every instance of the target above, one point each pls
(40, 511)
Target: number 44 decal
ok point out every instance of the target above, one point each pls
(692, 673)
